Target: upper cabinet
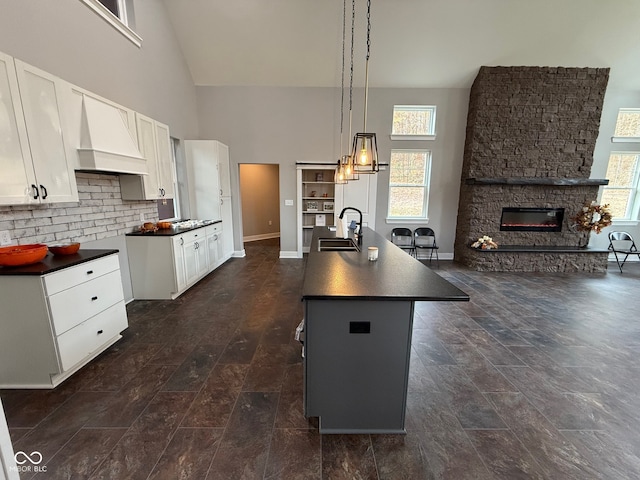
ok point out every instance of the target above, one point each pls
(155, 145)
(34, 158)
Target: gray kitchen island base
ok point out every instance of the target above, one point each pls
(358, 325)
(357, 355)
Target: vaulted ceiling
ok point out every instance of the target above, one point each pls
(414, 43)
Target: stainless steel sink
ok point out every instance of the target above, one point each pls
(337, 245)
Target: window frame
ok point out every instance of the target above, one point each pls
(616, 139)
(431, 135)
(121, 23)
(424, 219)
(634, 207)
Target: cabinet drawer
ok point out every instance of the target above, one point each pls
(74, 305)
(215, 228)
(89, 336)
(198, 234)
(69, 277)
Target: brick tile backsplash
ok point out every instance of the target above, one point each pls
(100, 213)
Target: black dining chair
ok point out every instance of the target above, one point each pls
(403, 238)
(622, 243)
(424, 238)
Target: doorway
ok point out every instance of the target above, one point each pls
(260, 199)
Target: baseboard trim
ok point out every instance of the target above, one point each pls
(262, 236)
(288, 254)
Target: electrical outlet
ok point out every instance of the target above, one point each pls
(270, 222)
(141, 217)
(5, 237)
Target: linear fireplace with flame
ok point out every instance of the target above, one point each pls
(517, 219)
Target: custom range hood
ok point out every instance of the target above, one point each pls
(106, 144)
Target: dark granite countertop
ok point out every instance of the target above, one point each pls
(170, 232)
(52, 263)
(350, 275)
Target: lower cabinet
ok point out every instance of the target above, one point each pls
(54, 324)
(165, 266)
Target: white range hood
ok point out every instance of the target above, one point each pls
(105, 142)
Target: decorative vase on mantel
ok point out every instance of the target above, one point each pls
(583, 241)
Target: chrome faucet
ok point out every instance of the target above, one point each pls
(360, 224)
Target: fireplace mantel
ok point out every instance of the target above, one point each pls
(567, 182)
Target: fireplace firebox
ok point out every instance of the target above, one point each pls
(517, 219)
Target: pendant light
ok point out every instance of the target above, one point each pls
(344, 170)
(348, 168)
(365, 149)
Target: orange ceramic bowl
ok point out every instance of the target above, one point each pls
(65, 248)
(163, 225)
(18, 255)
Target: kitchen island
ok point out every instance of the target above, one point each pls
(358, 325)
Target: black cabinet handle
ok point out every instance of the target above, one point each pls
(100, 332)
(36, 192)
(45, 192)
(89, 272)
(93, 299)
(181, 241)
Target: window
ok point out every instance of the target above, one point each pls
(627, 125)
(622, 192)
(413, 122)
(409, 172)
(623, 170)
(119, 14)
(169, 208)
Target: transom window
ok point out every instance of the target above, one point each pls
(628, 125)
(119, 14)
(409, 172)
(413, 121)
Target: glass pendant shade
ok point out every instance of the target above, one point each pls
(365, 153)
(339, 176)
(349, 169)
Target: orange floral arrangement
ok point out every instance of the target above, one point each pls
(593, 218)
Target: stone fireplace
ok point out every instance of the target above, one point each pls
(531, 132)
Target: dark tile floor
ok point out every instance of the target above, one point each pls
(536, 377)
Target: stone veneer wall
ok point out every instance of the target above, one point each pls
(100, 213)
(529, 123)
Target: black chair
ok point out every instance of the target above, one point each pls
(403, 238)
(624, 245)
(425, 239)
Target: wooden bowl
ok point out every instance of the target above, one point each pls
(19, 255)
(65, 248)
(164, 225)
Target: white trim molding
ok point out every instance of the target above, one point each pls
(114, 21)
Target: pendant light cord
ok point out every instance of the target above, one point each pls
(344, 28)
(353, 27)
(366, 71)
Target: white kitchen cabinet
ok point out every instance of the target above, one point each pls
(226, 244)
(34, 158)
(203, 177)
(196, 261)
(165, 266)
(155, 145)
(215, 246)
(70, 317)
(209, 184)
(178, 264)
